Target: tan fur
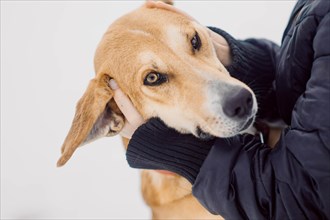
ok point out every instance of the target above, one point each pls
(170, 197)
(273, 136)
(133, 46)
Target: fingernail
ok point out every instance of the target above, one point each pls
(113, 85)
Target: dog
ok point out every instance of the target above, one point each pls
(166, 64)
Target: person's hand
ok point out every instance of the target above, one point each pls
(133, 117)
(221, 46)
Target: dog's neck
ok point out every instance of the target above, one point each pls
(165, 172)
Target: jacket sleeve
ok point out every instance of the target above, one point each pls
(244, 179)
(254, 63)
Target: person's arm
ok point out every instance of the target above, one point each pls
(156, 146)
(245, 179)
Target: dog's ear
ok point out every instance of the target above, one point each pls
(170, 2)
(97, 115)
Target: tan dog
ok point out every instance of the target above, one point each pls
(166, 64)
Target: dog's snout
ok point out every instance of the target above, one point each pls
(238, 104)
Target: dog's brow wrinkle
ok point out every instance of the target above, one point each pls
(135, 31)
(146, 57)
(149, 57)
(154, 66)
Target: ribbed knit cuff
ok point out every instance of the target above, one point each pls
(156, 146)
(253, 62)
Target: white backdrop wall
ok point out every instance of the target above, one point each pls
(47, 50)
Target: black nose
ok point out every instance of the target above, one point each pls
(238, 104)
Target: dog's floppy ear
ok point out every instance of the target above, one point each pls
(170, 2)
(97, 115)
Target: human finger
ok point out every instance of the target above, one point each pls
(124, 103)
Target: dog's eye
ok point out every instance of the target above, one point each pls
(196, 42)
(154, 79)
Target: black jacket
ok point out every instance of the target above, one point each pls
(241, 178)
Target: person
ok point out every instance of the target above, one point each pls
(240, 177)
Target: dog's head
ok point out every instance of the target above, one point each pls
(167, 65)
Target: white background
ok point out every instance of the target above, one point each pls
(47, 50)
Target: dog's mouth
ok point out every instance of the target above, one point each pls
(232, 131)
(247, 124)
(203, 134)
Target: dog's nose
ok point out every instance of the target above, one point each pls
(238, 104)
